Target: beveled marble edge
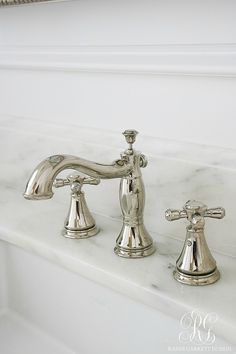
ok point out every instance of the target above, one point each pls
(146, 280)
(218, 157)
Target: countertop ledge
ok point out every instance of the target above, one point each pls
(148, 280)
(36, 226)
(214, 156)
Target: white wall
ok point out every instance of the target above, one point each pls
(166, 68)
(120, 22)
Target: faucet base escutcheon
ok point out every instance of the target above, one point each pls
(196, 279)
(81, 233)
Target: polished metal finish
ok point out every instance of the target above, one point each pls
(133, 241)
(79, 222)
(41, 181)
(195, 265)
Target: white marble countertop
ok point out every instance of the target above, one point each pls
(35, 226)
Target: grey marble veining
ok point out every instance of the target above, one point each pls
(36, 226)
(171, 177)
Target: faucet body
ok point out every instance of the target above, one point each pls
(133, 241)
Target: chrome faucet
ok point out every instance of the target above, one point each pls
(134, 240)
(79, 222)
(195, 265)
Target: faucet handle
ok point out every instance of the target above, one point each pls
(195, 212)
(215, 213)
(173, 214)
(195, 265)
(193, 207)
(75, 180)
(79, 222)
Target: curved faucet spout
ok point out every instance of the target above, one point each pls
(134, 240)
(41, 181)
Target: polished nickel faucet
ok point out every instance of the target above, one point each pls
(79, 222)
(195, 265)
(134, 240)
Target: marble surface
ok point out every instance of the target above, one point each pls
(176, 173)
(171, 178)
(28, 338)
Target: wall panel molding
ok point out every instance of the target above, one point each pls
(195, 60)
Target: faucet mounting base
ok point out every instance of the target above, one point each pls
(134, 242)
(132, 253)
(77, 234)
(196, 279)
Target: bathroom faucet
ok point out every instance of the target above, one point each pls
(134, 240)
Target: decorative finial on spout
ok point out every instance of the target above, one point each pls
(130, 136)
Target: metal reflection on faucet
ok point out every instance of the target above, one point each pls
(79, 222)
(195, 265)
(134, 240)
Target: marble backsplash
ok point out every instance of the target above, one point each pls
(176, 172)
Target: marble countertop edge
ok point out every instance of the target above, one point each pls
(150, 295)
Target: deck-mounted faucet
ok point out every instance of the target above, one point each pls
(195, 265)
(133, 241)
